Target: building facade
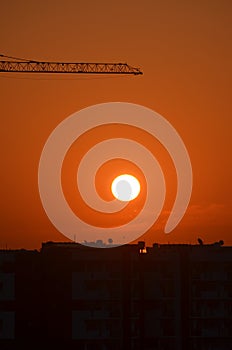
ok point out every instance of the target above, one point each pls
(163, 297)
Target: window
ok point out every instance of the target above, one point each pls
(92, 325)
(168, 327)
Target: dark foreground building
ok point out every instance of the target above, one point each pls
(165, 297)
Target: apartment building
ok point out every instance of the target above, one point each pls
(131, 297)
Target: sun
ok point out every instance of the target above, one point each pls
(125, 187)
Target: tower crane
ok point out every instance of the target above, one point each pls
(20, 65)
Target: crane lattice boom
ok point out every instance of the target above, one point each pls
(62, 67)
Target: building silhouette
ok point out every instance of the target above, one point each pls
(131, 297)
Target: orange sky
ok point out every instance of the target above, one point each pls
(184, 50)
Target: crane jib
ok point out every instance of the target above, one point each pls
(63, 67)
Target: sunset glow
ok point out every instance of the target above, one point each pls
(184, 51)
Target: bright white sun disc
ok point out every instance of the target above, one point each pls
(125, 187)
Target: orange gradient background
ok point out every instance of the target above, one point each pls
(184, 51)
